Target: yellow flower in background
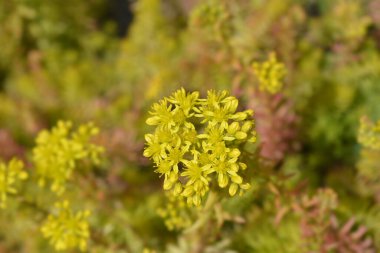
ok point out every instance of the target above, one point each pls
(146, 250)
(10, 175)
(175, 213)
(66, 229)
(270, 74)
(369, 134)
(58, 151)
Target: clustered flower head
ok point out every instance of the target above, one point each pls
(58, 151)
(175, 213)
(10, 175)
(67, 229)
(197, 141)
(270, 74)
(369, 134)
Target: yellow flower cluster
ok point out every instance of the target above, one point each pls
(175, 213)
(196, 141)
(57, 152)
(369, 134)
(10, 175)
(66, 229)
(270, 74)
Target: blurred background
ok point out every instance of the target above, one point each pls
(107, 61)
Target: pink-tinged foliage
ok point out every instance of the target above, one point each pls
(8, 146)
(320, 228)
(276, 124)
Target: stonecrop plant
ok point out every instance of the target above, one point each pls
(55, 158)
(58, 151)
(185, 173)
(369, 134)
(66, 229)
(175, 213)
(270, 74)
(10, 176)
(197, 143)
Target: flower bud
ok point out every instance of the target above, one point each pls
(222, 180)
(233, 127)
(152, 121)
(247, 126)
(196, 200)
(240, 135)
(233, 189)
(177, 189)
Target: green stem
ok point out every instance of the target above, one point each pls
(199, 232)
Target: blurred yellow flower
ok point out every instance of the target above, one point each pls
(369, 134)
(10, 175)
(66, 229)
(270, 74)
(57, 152)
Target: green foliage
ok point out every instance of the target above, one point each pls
(214, 18)
(368, 165)
(346, 21)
